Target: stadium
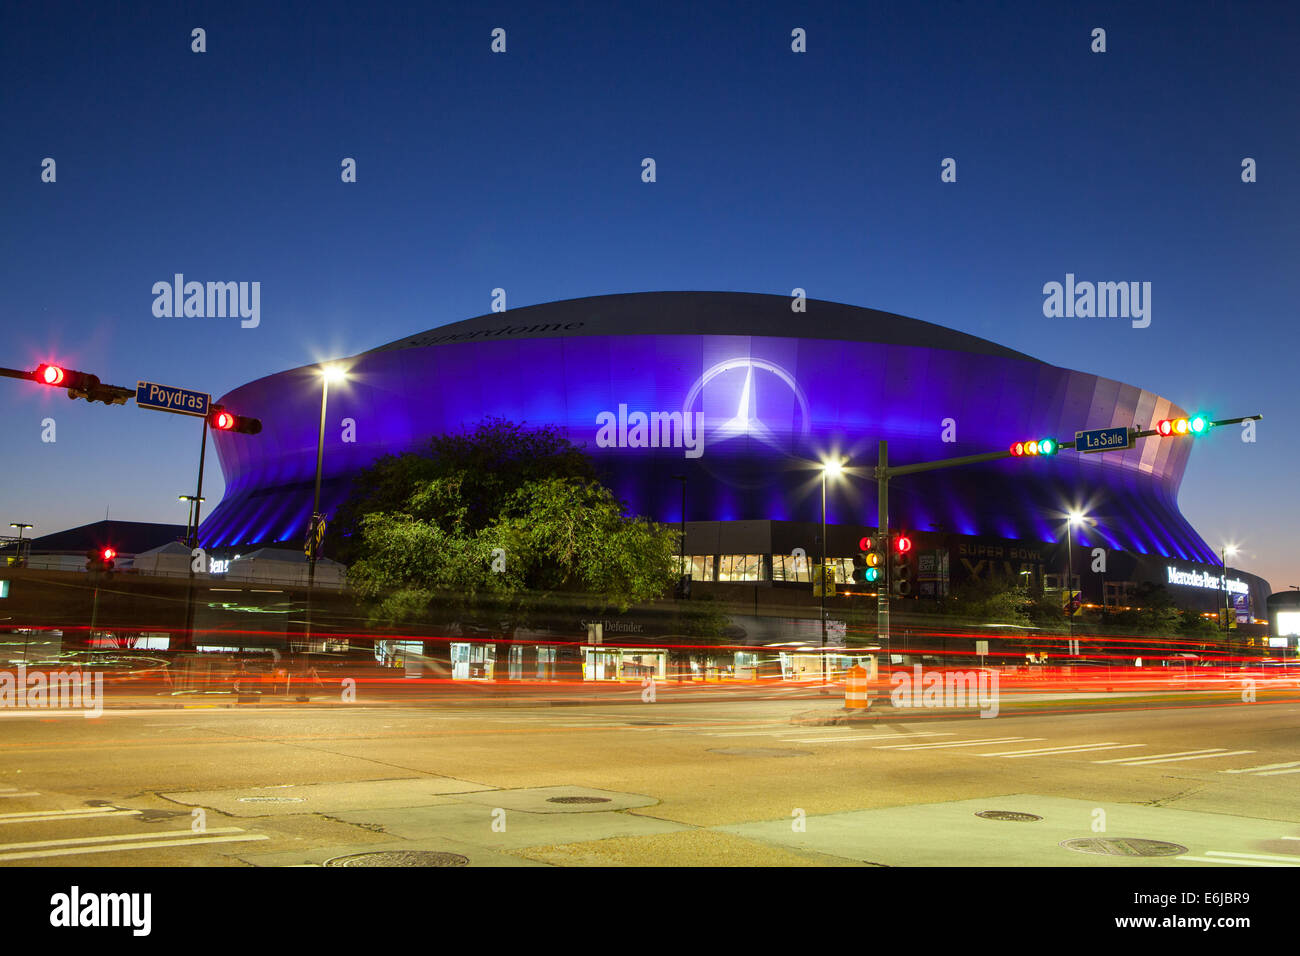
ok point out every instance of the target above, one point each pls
(732, 402)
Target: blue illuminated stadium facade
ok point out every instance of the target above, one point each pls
(774, 393)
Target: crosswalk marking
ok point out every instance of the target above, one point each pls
(1213, 859)
(1177, 753)
(1053, 751)
(1268, 769)
(960, 743)
(835, 740)
(117, 838)
(1227, 753)
(38, 816)
(194, 840)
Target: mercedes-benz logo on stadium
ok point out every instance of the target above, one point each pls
(743, 400)
(749, 398)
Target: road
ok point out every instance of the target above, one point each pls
(664, 784)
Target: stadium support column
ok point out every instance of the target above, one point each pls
(882, 528)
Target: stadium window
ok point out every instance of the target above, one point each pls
(702, 567)
(740, 567)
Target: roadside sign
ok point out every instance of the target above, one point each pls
(165, 398)
(1103, 439)
(982, 648)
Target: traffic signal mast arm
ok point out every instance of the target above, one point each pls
(890, 472)
(79, 384)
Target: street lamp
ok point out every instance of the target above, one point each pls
(20, 525)
(1073, 518)
(834, 468)
(328, 373)
(189, 514)
(1227, 606)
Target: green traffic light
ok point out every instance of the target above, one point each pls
(1046, 446)
(1198, 424)
(872, 574)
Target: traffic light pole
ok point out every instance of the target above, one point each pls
(884, 472)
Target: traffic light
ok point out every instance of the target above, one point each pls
(1196, 425)
(80, 384)
(226, 421)
(101, 560)
(900, 571)
(1045, 447)
(870, 560)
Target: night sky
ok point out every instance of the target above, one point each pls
(522, 170)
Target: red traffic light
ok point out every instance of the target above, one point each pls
(225, 421)
(50, 375)
(903, 544)
(865, 544)
(108, 554)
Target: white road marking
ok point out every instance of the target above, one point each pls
(1275, 857)
(961, 743)
(28, 793)
(1211, 859)
(34, 816)
(1147, 763)
(198, 839)
(835, 740)
(1267, 766)
(117, 838)
(1179, 753)
(1054, 751)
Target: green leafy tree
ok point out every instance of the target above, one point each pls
(458, 481)
(497, 550)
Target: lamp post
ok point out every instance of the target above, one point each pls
(683, 577)
(833, 468)
(1074, 517)
(1227, 599)
(682, 569)
(328, 373)
(20, 525)
(189, 514)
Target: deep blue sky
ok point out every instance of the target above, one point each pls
(522, 170)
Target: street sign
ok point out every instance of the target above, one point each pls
(1102, 439)
(982, 648)
(165, 398)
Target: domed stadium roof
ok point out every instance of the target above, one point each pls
(703, 313)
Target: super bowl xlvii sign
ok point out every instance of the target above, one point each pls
(164, 398)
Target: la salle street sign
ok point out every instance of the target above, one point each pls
(1102, 439)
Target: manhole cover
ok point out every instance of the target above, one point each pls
(1124, 846)
(400, 858)
(760, 752)
(1011, 815)
(271, 799)
(577, 800)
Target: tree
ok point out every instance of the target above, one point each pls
(460, 480)
(494, 528)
